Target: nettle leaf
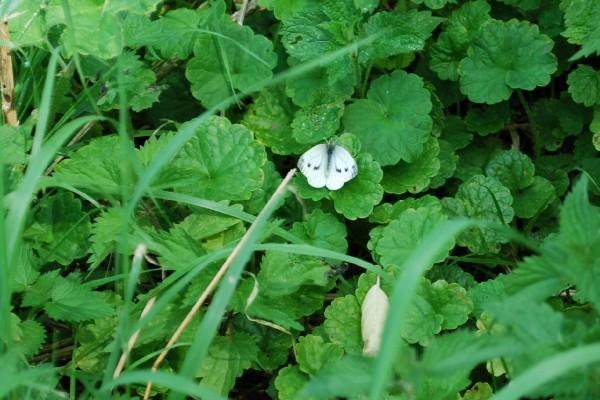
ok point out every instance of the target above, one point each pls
(317, 123)
(506, 56)
(512, 168)
(398, 32)
(342, 324)
(581, 23)
(313, 32)
(60, 229)
(393, 123)
(137, 80)
(232, 60)
(269, 117)
(27, 336)
(314, 88)
(413, 177)
(400, 237)
(312, 353)
(25, 270)
(461, 28)
(322, 230)
(282, 274)
(358, 197)
(178, 30)
(66, 298)
(15, 143)
(107, 230)
(96, 167)
(525, 5)
(584, 85)
(486, 199)
(221, 162)
(488, 120)
(227, 359)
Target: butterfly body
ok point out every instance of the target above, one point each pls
(327, 165)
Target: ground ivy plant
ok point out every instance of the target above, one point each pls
(151, 134)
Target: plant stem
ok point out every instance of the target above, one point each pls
(534, 131)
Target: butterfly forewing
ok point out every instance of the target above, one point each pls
(313, 164)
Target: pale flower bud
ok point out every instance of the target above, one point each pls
(374, 310)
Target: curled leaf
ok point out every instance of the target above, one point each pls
(374, 310)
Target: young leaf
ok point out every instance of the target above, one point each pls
(313, 353)
(342, 324)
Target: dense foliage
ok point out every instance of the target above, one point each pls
(152, 133)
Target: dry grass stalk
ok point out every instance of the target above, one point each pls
(7, 77)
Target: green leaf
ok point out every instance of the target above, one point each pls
(398, 32)
(581, 25)
(106, 233)
(92, 30)
(282, 274)
(448, 161)
(393, 123)
(137, 80)
(221, 162)
(512, 168)
(314, 88)
(15, 143)
(461, 28)
(525, 5)
(342, 324)
(60, 229)
(95, 167)
(456, 133)
(317, 123)
(422, 321)
(535, 198)
(434, 4)
(485, 293)
(479, 391)
(485, 199)
(358, 197)
(232, 59)
(259, 198)
(312, 353)
(413, 177)
(228, 357)
(488, 120)
(269, 118)
(289, 382)
(386, 212)
(25, 270)
(506, 56)
(322, 230)
(28, 335)
(400, 237)
(178, 30)
(66, 299)
(584, 85)
(452, 302)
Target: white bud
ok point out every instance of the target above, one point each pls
(374, 310)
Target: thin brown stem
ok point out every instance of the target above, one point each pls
(7, 77)
(209, 289)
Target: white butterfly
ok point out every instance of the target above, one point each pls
(327, 165)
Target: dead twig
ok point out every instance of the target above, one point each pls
(7, 77)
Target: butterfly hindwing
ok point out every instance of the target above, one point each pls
(342, 168)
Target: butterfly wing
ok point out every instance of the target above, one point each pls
(313, 164)
(342, 168)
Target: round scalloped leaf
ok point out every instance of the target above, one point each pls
(386, 212)
(313, 88)
(317, 123)
(322, 230)
(581, 22)
(451, 46)
(488, 120)
(221, 162)
(448, 160)
(342, 323)
(413, 177)
(358, 196)
(233, 61)
(434, 4)
(512, 168)
(312, 353)
(486, 199)
(269, 117)
(584, 85)
(393, 123)
(506, 56)
(289, 382)
(401, 236)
